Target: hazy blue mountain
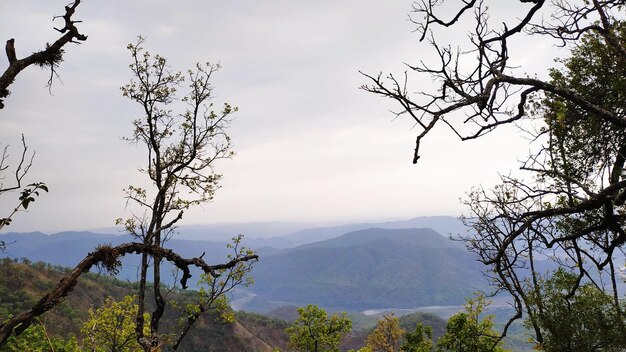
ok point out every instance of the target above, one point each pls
(421, 237)
(445, 225)
(373, 268)
(364, 269)
(250, 229)
(282, 235)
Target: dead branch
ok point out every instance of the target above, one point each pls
(50, 57)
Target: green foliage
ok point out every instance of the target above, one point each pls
(36, 338)
(589, 320)
(573, 205)
(468, 332)
(583, 145)
(420, 340)
(29, 193)
(27, 196)
(386, 336)
(111, 328)
(314, 331)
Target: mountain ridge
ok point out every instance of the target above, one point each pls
(360, 275)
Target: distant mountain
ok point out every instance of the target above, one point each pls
(258, 234)
(445, 225)
(216, 232)
(372, 268)
(420, 237)
(366, 269)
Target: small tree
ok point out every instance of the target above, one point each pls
(314, 331)
(587, 320)
(214, 289)
(386, 336)
(468, 332)
(420, 340)
(111, 328)
(181, 151)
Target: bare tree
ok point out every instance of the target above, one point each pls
(478, 83)
(50, 57)
(571, 208)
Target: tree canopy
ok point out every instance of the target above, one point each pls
(470, 330)
(567, 206)
(315, 331)
(386, 336)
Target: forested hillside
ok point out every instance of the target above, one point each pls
(368, 269)
(22, 283)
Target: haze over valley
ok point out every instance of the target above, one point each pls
(345, 267)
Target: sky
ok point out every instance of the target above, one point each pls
(310, 145)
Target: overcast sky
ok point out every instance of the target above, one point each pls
(310, 145)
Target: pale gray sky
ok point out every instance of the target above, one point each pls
(310, 145)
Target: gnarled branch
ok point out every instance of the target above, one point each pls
(50, 57)
(109, 258)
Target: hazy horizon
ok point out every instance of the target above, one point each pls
(311, 146)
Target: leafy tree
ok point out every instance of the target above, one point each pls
(111, 328)
(572, 201)
(420, 340)
(468, 332)
(585, 321)
(314, 331)
(386, 336)
(36, 338)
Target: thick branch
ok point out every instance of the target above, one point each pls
(50, 56)
(109, 258)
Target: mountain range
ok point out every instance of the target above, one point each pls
(350, 267)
